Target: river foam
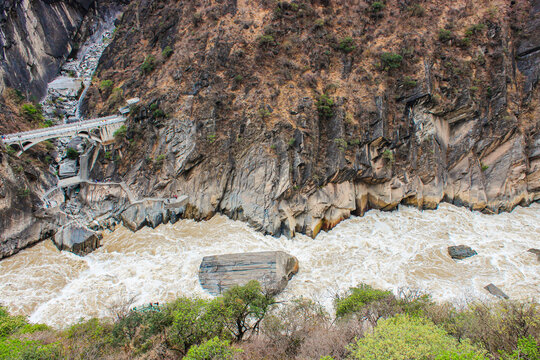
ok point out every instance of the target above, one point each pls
(389, 250)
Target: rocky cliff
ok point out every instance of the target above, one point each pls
(295, 115)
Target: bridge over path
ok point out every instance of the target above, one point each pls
(100, 129)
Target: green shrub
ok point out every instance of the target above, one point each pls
(158, 114)
(120, 133)
(474, 29)
(31, 112)
(264, 112)
(15, 349)
(266, 41)
(325, 106)
(16, 95)
(47, 123)
(404, 337)
(105, 85)
(347, 45)
(341, 144)
(72, 154)
(167, 52)
(409, 82)
(377, 7)
(213, 349)
(527, 349)
(484, 167)
(444, 35)
(10, 324)
(238, 78)
(388, 155)
(390, 60)
(358, 298)
(10, 150)
(148, 64)
(211, 138)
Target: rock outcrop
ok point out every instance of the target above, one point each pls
(272, 269)
(495, 291)
(77, 239)
(264, 113)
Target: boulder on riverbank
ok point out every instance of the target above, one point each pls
(77, 239)
(273, 269)
(461, 252)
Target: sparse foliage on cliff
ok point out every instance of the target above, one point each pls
(325, 106)
(148, 65)
(31, 112)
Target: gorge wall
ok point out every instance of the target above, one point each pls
(294, 115)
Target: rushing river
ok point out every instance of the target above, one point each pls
(404, 248)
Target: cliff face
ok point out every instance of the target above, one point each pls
(35, 38)
(294, 115)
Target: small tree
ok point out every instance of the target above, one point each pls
(167, 52)
(390, 60)
(347, 45)
(325, 106)
(148, 64)
(244, 308)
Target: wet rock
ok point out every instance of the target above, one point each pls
(461, 252)
(495, 291)
(273, 269)
(536, 252)
(77, 239)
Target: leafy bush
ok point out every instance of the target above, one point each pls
(10, 324)
(105, 85)
(148, 64)
(444, 35)
(417, 10)
(409, 82)
(347, 45)
(325, 106)
(12, 348)
(391, 60)
(358, 298)
(158, 114)
(405, 337)
(377, 7)
(167, 52)
(266, 41)
(474, 29)
(31, 112)
(527, 349)
(72, 154)
(388, 155)
(213, 349)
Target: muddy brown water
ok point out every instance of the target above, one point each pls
(389, 250)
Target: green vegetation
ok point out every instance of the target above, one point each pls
(377, 7)
(264, 112)
(31, 112)
(347, 45)
(22, 192)
(10, 150)
(266, 41)
(120, 133)
(72, 154)
(148, 65)
(167, 52)
(404, 337)
(341, 144)
(390, 60)
(325, 106)
(47, 123)
(388, 156)
(211, 138)
(445, 35)
(474, 29)
(105, 85)
(245, 319)
(358, 298)
(409, 82)
(417, 10)
(484, 167)
(238, 78)
(211, 350)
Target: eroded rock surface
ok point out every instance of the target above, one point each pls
(461, 252)
(272, 269)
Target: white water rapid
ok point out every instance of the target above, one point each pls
(404, 248)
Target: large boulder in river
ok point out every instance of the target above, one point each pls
(460, 252)
(273, 269)
(77, 239)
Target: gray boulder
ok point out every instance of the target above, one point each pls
(67, 168)
(495, 291)
(273, 269)
(460, 252)
(77, 239)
